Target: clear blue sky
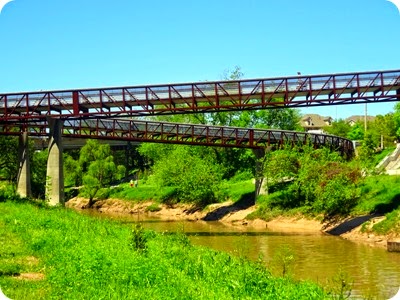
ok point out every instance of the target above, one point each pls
(59, 44)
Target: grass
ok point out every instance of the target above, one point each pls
(235, 190)
(143, 192)
(390, 225)
(379, 194)
(86, 258)
(381, 155)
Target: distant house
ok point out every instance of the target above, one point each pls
(354, 119)
(315, 123)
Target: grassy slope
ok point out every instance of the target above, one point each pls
(86, 258)
(381, 195)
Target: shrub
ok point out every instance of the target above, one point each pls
(153, 207)
(195, 180)
(139, 239)
(8, 192)
(317, 179)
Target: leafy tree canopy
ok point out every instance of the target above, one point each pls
(95, 169)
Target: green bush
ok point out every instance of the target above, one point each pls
(337, 197)
(8, 192)
(195, 180)
(139, 239)
(153, 207)
(318, 180)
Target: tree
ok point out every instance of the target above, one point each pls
(383, 129)
(72, 171)
(396, 118)
(39, 172)
(9, 163)
(9, 158)
(339, 128)
(356, 132)
(318, 179)
(191, 171)
(98, 168)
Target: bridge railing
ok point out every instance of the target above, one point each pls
(178, 133)
(295, 91)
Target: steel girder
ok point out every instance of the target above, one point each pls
(267, 93)
(176, 133)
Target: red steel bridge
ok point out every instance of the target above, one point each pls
(201, 97)
(190, 134)
(98, 112)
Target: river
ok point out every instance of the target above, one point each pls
(319, 257)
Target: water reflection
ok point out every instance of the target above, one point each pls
(318, 257)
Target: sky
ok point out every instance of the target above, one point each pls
(59, 44)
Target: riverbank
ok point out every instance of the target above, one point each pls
(228, 213)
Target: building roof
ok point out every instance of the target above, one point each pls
(315, 121)
(359, 118)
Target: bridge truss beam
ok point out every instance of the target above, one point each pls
(203, 97)
(177, 133)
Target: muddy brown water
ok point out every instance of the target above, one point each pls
(319, 257)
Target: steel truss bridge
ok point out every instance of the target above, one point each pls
(189, 134)
(98, 113)
(201, 97)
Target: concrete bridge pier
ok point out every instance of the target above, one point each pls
(55, 176)
(259, 178)
(24, 173)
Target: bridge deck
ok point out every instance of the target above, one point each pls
(176, 133)
(268, 93)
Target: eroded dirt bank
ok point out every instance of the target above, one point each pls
(232, 215)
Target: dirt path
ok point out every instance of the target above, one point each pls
(231, 214)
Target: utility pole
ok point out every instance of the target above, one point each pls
(365, 118)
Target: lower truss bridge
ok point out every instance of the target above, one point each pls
(189, 134)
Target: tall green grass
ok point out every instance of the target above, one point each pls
(235, 190)
(86, 258)
(390, 225)
(143, 192)
(381, 155)
(379, 194)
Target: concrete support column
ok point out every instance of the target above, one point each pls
(55, 176)
(260, 154)
(24, 170)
